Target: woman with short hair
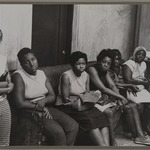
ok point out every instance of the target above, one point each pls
(32, 92)
(75, 82)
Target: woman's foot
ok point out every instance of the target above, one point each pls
(142, 140)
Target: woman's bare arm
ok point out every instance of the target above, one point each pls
(111, 84)
(65, 89)
(18, 93)
(127, 74)
(88, 84)
(98, 83)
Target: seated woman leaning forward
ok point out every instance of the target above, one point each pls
(101, 80)
(134, 73)
(132, 116)
(75, 82)
(32, 92)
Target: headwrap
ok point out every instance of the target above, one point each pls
(139, 48)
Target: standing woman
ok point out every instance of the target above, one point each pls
(5, 115)
(75, 82)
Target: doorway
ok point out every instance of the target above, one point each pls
(52, 33)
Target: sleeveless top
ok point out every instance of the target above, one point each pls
(138, 70)
(102, 76)
(77, 84)
(34, 85)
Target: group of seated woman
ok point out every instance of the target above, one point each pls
(33, 93)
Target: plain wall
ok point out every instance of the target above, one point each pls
(96, 27)
(144, 26)
(16, 26)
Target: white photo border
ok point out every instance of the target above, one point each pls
(74, 2)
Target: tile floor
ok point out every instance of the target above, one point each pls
(124, 139)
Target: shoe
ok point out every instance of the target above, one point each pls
(142, 141)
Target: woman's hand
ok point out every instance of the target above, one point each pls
(68, 102)
(10, 87)
(46, 113)
(8, 78)
(41, 102)
(122, 101)
(41, 114)
(133, 89)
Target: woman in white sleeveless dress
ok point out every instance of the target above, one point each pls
(134, 73)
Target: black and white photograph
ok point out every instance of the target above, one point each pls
(75, 75)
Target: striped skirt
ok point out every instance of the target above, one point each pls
(5, 123)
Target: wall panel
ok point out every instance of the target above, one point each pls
(15, 23)
(100, 26)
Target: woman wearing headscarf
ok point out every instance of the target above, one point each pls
(134, 73)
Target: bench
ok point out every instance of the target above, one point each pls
(24, 130)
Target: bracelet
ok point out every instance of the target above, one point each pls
(38, 108)
(35, 106)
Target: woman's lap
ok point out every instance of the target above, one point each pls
(53, 127)
(65, 121)
(88, 119)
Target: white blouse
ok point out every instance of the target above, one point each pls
(34, 85)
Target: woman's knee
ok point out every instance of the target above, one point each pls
(71, 126)
(109, 113)
(54, 130)
(75, 126)
(133, 106)
(128, 108)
